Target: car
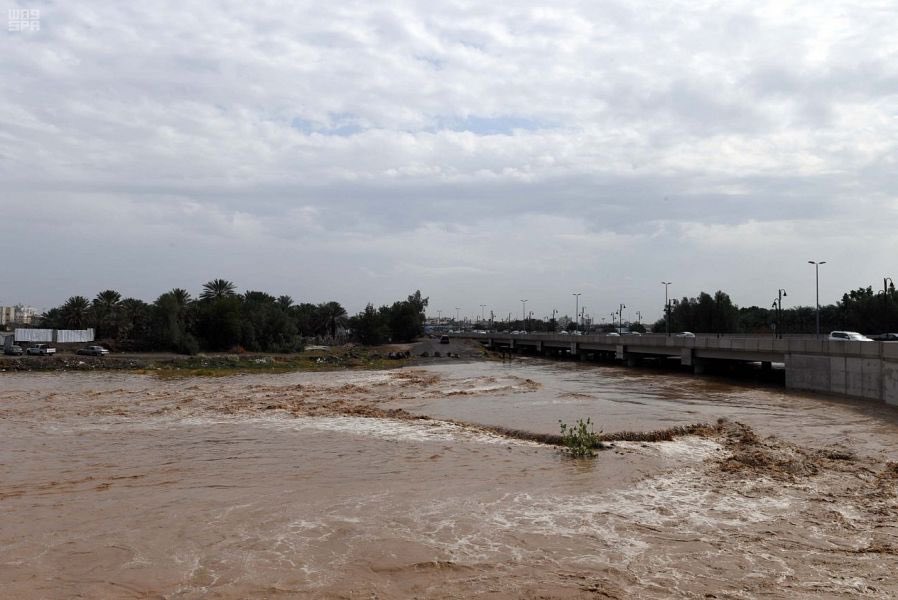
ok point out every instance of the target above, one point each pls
(41, 350)
(847, 336)
(885, 337)
(13, 350)
(564, 332)
(93, 351)
(444, 339)
(612, 334)
(685, 334)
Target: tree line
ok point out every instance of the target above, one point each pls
(863, 310)
(221, 319)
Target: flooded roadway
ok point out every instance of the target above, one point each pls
(326, 485)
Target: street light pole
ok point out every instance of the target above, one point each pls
(666, 307)
(524, 313)
(554, 322)
(817, 273)
(577, 309)
(781, 293)
(482, 317)
(620, 318)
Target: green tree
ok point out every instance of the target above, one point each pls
(370, 326)
(266, 325)
(333, 315)
(218, 288)
(406, 318)
(76, 312)
(133, 319)
(219, 322)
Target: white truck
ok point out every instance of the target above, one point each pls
(41, 350)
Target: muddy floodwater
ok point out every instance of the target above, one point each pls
(403, 484)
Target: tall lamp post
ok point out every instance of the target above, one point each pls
(638, 318)
(666, 307)
(482, 306)
(817, 273)
(577, 308)
(554, 322)
(620, 318)
(524, 313)
(780, 293)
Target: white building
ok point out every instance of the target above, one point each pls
(18, 314)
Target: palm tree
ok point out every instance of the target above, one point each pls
(105, 307)
(181, 296)
(334, 315)
(133, 315)
(108, 299)
(75, 312)
(285, 302)
(218, 288)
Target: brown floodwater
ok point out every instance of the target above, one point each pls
(327, 485)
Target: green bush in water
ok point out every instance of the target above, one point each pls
(579, 440)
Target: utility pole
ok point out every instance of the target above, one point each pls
(524, 313)
(577, 308)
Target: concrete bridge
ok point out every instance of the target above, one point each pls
(860, 369)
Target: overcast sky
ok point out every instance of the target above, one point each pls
(482, 152)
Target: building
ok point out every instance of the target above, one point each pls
(17, 315)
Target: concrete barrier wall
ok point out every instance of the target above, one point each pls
(858, 376)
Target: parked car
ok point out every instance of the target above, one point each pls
(847, 336)
(686, 334)
(93, 351)
(613, 334)
(14, 350)
(41, 350)
(444, 339)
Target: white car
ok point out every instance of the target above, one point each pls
(688, 334)
(847, 336)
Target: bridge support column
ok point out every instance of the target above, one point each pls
(698, 366)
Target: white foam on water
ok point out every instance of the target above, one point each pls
(412, 431)
(688, 447)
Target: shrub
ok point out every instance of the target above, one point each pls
(580, 440)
